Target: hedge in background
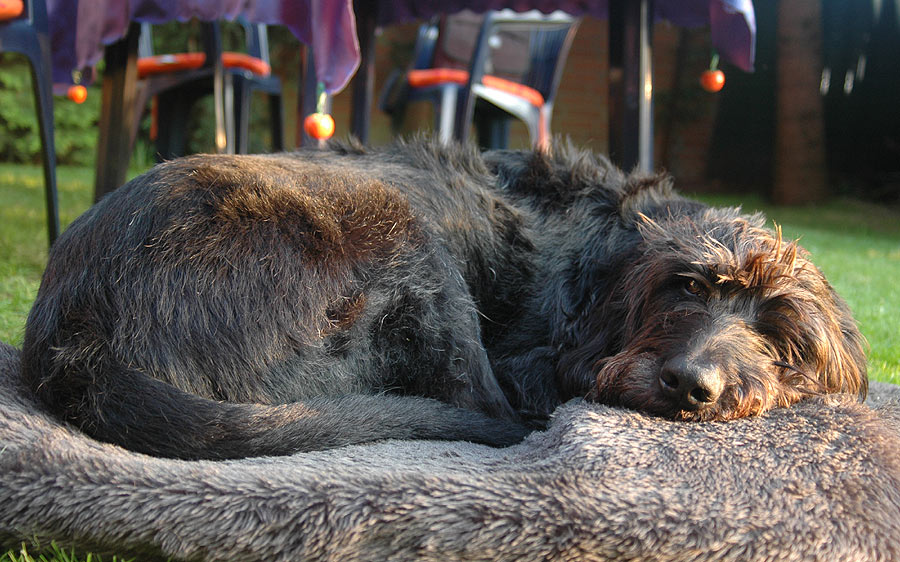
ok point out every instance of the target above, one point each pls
(76, 124)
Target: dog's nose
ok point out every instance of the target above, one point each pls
(691, 386)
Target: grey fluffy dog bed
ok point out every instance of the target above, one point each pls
(817, 481)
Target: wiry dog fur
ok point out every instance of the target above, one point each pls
(228, 306)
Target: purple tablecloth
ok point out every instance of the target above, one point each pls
(80, 28)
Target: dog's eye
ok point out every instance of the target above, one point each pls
(694, 287)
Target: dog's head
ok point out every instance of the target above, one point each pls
(720, 318)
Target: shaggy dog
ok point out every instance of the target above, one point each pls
(231, 306)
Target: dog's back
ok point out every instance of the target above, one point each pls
(181, 305)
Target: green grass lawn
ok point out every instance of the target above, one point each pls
(23, 235)
(856, 244)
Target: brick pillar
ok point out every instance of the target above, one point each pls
(800, 172)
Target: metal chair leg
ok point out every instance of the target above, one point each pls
(24, 40)
(43, 99)
(240, 106)
(277, 124)
(445, 109)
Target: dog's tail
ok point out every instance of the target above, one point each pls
(126, 407)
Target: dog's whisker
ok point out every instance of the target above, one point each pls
(814, 385)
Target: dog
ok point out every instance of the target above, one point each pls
(233, 306)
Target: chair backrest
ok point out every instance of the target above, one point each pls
(549, 37)
(529, 47)
(426, 44)
(256, 38)
(458, 35)
(211, 37)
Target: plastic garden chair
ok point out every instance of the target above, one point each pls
(24, 30)
(489, 68)
(177, 80)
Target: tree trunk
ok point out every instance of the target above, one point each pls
(800, 172)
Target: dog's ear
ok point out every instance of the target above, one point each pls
(845, 363)
(837, 349)
(649, 228)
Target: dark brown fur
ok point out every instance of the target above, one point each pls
(255, 305)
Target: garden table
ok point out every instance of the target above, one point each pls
(341, 36)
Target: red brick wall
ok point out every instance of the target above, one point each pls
(800, 172)
(580, 110)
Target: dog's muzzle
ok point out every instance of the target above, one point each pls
(690, 385)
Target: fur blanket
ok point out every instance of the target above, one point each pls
(820, 480)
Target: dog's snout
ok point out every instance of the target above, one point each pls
(691, 386)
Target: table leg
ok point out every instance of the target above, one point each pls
(364, 81)
(117, 113)
(631, 84)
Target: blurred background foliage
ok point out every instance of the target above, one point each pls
(76, 125)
